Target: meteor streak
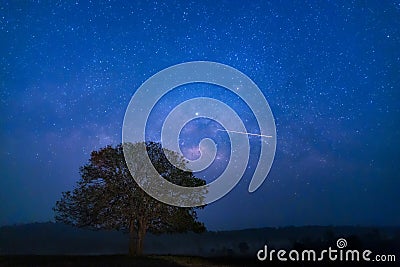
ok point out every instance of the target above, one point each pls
(253, 134)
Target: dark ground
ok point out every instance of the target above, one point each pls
(150, 261)
(49, 244)
(59, 239)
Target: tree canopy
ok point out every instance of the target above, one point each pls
(107, 196)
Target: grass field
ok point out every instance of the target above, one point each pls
(155, 261)
(118, 260)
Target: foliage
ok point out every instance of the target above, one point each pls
(107, 196)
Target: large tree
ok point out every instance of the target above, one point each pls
(107, 196)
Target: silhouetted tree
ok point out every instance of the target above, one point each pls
(107, 196)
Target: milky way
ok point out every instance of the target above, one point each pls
(329, 70)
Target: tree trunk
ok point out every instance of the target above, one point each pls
(136, 237)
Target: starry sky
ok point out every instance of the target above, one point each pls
(330, 71)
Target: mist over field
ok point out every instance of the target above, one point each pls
(55, 239)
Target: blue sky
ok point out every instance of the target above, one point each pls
(330, 71)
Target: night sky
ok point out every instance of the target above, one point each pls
(330, 71)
